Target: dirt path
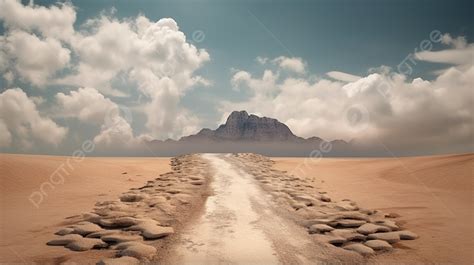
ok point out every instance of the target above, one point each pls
(238, 225)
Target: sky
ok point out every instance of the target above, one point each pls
(118, 73)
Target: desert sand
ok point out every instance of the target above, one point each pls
(433, 196)
(238, 208)
(25, 228)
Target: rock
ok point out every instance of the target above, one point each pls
(348, 223)
(131, 197)
(378, 245)
(84, 244)
(311, 222)
(388, 223)
(346, 206)
(125, 260)
(390, 237)
(136, 249)
(325, 198)
(85, 228)
(118, 222)
(120, 237)
(369, 228)
(349, 215)
(348, 234)
(320, 228)
(359, 248)
(297, 205)
(64, 240)
(197, 182)
(151, 230)
(101, 233)
(64, 231)
(330, 239)
(407, 235)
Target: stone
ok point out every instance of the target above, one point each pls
(64, 240)
(131, 197)
(348, 234)
(118, 222)
(388, 223)
(64, 231)
(120, 237)
(407, 235)
(346, 206)
(390, 237)
(330, 239)
(151, 229)
(125, 260)
(378, 245)
(369, 228)
(85, 228)
(101, 233)
(325, 198)
(359, 248)
(136, 249)
(320, 228)
(84, 244)
(349, 222)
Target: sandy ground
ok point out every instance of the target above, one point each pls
(433, 195)
(239, 226)
(25, 228)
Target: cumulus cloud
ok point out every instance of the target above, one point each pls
(21, 121)
(380, 108)
(344, 77)
(90, 106)
(55, 21)
(152, 56)
(293, 64)
(34, 59)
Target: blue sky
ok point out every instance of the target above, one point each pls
(354, 37)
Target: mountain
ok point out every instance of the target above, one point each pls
(240, 126)
(249, 133)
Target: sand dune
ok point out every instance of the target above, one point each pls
(433, 195)
(25, 228)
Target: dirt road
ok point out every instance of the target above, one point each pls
(240, 226)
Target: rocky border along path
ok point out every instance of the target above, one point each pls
(133, 225)
(340, 223)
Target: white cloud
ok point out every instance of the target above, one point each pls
(89, 106)
(34, 59)
(461, 53)
(154, 57)
(19, 116)
(381, 107)
(55, 21)
(293, 64)
(344, 77)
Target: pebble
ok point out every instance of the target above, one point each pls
(390, 237)
(369, 228)
(359, 248)
(136, 249)
(320, 228)
(378, 244)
